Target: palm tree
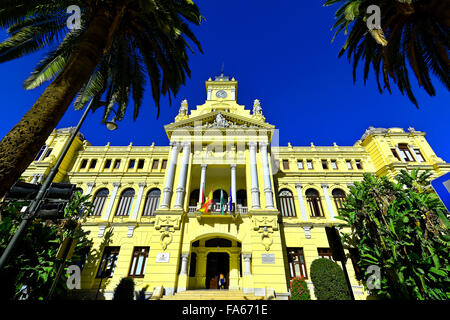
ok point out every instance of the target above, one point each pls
(417, 31)
(118, 44)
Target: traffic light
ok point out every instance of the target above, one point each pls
(53, 203)
(55, 200)
(22, 191)
(334, 239)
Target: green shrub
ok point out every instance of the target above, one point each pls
(124, 290)
(299, 289)
(328, 280)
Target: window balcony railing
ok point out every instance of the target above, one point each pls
(215, 209)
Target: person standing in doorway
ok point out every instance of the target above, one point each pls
(221, 281)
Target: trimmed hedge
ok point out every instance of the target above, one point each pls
(328, 280)
(124, 290)
(299, 289)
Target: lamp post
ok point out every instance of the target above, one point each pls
(34, 205)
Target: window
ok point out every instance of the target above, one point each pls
(123, 209)
(108, 262)
(131, 164)
(117, 164)
(141, 163)
(151, 202)
(287, 206)
(286, 164)
(155, 164)
(38, 156)
(49, 151)
(315, 204)
(139, 262)
(419, 155)
(324, 164)
(358, 164)
(349, 164)
(99, 202)
(325, 253)
(83, 164)
(405, 153)
(107, 164)
(93, 164)
(164, 164)
(296, 261)
(193, 264)
(394, 152)
(300, 164)
(334, 165)
(193, 198)
(241, 196)
(339, 197)
(309, 164)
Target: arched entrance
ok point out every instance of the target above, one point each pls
(212, 255)
(217, 263)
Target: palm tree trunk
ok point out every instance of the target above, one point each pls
(19, 147)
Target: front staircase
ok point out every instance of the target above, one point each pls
(212, 294)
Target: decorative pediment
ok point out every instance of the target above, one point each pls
(218, 119)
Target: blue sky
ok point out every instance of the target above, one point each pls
(281, 53)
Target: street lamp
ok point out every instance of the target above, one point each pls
(35, 204)
(112, 125)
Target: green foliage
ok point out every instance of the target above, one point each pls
(299, 289)
(328, 280)
(33, 262)
(147, 38)
(400, 226)
(124, 290)
(414, 35)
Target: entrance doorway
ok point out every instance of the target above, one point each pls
(216, 263)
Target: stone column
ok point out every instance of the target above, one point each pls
(266, 173)
(35, 177)
(184, 261)
(182, 180)
(90, 185)
(328, 201)
(202, 182)
(233, 183)
(40, 177)
(298, 186)
(116, 186)
(254, 176)
(138, 200)
(167, 191)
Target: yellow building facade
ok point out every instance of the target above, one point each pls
(146, 221)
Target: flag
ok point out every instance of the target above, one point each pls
(230, 203)
(222, 201)
(208, 201)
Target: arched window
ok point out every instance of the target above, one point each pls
(151, 202)
(315, 204)
(123, 209)
(193, 198)
(192, 264)
(99, 201)
(339, 197)
(216, 196)
(241, 196)
(287, 206)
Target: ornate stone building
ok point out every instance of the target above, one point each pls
(146, 224)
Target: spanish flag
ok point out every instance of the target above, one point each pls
(208, 201)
